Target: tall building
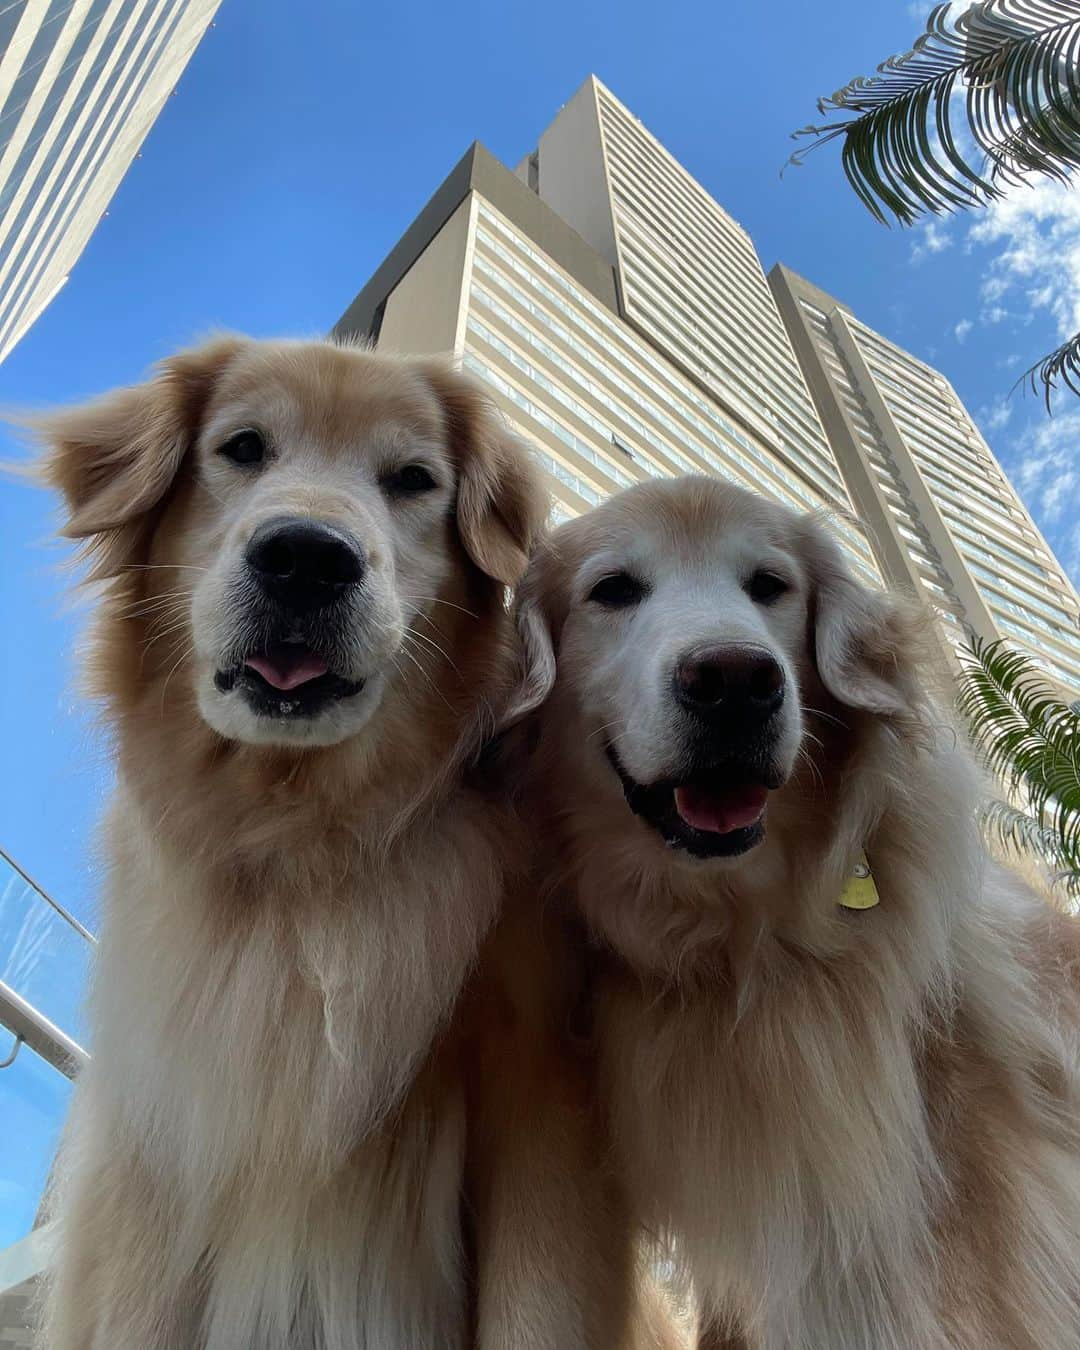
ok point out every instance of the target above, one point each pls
(623, 322)
(81, 82)
(620, 318)
(943, 516)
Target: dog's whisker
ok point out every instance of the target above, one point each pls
(806, 758)
(163, 567)
(809, 736)
(408, 654)
(426, 618)
(153, 602)
(434, 600)
(411, 632)
(189, 649)
(827, 717)
(601, 729)
(165, 632)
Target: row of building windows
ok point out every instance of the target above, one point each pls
(889, 479)
(750, 328)
(561, 472)
(577, 373)
(976, 500)
(554, 391)
(997, 600)
(95, 120)
(512, 394)
(687, 404)
(967, 530)
(485, 294)
(662, 316)
(749, 477)
(655, 165)
(1046, 656)
(634, 394)
(659, 178)
(681, 403)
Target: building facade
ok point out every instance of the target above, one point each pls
(564, 301)
(944, 518)
(623, 322)
(81, 83)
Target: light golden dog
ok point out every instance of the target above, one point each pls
(858, 1126)
(301, 645)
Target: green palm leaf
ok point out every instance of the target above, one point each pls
(1030, 739)
(1062, 365)
(1018, 64)
(1018, 830)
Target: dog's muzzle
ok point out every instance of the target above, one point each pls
(715, 810)
(301, 580)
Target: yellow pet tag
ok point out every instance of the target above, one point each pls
(860, 892)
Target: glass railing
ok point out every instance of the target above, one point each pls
(44, 962)
(34, 1099)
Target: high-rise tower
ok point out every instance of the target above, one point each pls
(628, 333)
(81, 83)
(945, 519)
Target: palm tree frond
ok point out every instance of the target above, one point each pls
(1026, 837)
(1018, 65)
(1062, 365)
(1028, 737)
(1017, 830)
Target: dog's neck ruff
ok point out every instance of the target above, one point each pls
(861, 890)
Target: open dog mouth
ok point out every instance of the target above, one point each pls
(716, 813)
(286, 679)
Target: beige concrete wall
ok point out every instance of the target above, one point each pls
(573, 175)
(422, 310)
(870, 505)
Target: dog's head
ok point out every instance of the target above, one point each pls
(693, 634)
(294, 532)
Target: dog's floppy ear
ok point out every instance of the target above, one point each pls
(502, 505)
(866, 643)
(115, 458)
(539, 611)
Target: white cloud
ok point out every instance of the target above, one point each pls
(1044, 464)
(962, 329)
(993, 288)
(931, 237)
(920, 10)
(1036, 232)
(996, 416)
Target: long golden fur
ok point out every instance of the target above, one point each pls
(268, 1146)
(859, 1129)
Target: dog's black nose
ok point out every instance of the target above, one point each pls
(304, 564)
(734, 682)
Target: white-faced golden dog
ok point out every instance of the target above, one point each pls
(301, 643)
(859, 1126)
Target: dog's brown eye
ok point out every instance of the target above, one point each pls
(617, 591)
(408, 481)
(765, 587)
(246, 447)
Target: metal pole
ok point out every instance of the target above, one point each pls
(41, 1035)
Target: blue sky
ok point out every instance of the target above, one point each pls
(303, 139)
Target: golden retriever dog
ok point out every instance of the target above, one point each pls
(301, 643)
(856, 1121)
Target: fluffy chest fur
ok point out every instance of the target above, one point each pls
(279, 1117)
(281, 1027)
(847, 1157)
(783, 1149)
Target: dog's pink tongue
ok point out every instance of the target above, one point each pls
(720, 811)
(286, 670)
